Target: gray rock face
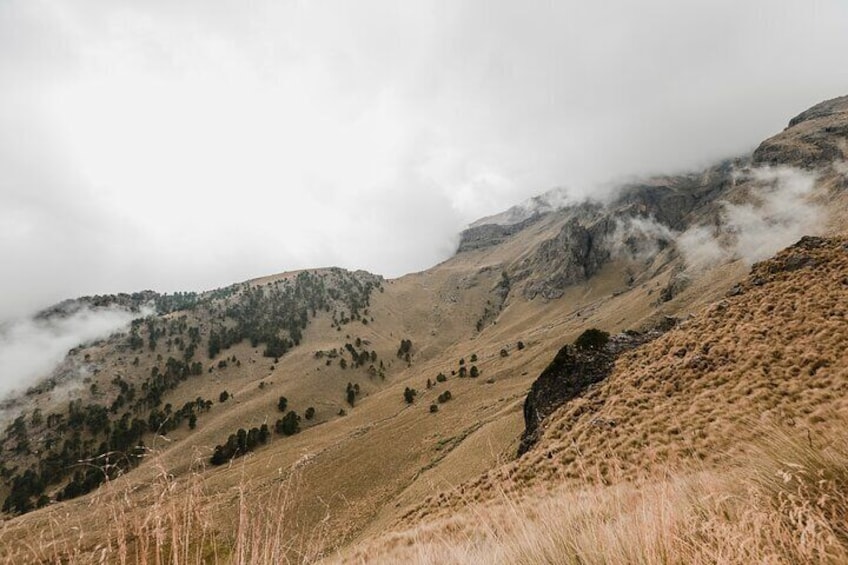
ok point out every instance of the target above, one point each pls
(672, 201)
(575, 254)
(814, 138)
(489, 235)
(595, 232)
(821, 110)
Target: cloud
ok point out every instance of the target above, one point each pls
(701, 248)
(777, 214)
(187, 145)
(31, 348)
(639, 238)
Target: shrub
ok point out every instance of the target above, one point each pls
(434, 408)
(475, 372)
(224, 396)
(520, 345)
(441, 378)
(310, 413)
(404, 349)
(282, 404)
(444, 397)
(409, 395)
(504, 353)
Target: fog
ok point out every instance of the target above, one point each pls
(778, 215)
(31, 348)
(185, 145)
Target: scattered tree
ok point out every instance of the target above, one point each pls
(288, 424)
(409, 395)
(405, 349)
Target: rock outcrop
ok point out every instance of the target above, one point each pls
(569, 375)
(814, 138)
(575, 254)
(490, 235)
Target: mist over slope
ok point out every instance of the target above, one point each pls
(31, 348)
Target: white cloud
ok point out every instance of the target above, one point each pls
(31, 348)
(779, 212)
(639, 238)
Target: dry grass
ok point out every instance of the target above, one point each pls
(786, 503)
(774, 354)
(179, 521)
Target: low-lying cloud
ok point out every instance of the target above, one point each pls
(640, 238)
(31, 348)
(778, 214)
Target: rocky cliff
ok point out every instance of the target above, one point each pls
(814, 138)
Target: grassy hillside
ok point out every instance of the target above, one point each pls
(391, 467)
(723, 440)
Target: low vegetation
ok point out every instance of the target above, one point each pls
(783, 503)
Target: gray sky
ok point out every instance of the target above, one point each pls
(186, 145)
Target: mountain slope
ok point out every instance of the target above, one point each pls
(369, 460)
(704, 399)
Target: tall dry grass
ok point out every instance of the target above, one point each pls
(173, 522)
(787, 502)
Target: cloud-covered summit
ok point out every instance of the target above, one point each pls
(187, 145)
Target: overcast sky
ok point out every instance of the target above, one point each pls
(189, 144)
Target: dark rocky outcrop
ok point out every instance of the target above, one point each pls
(572, 371)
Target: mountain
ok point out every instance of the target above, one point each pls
(328, 412)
